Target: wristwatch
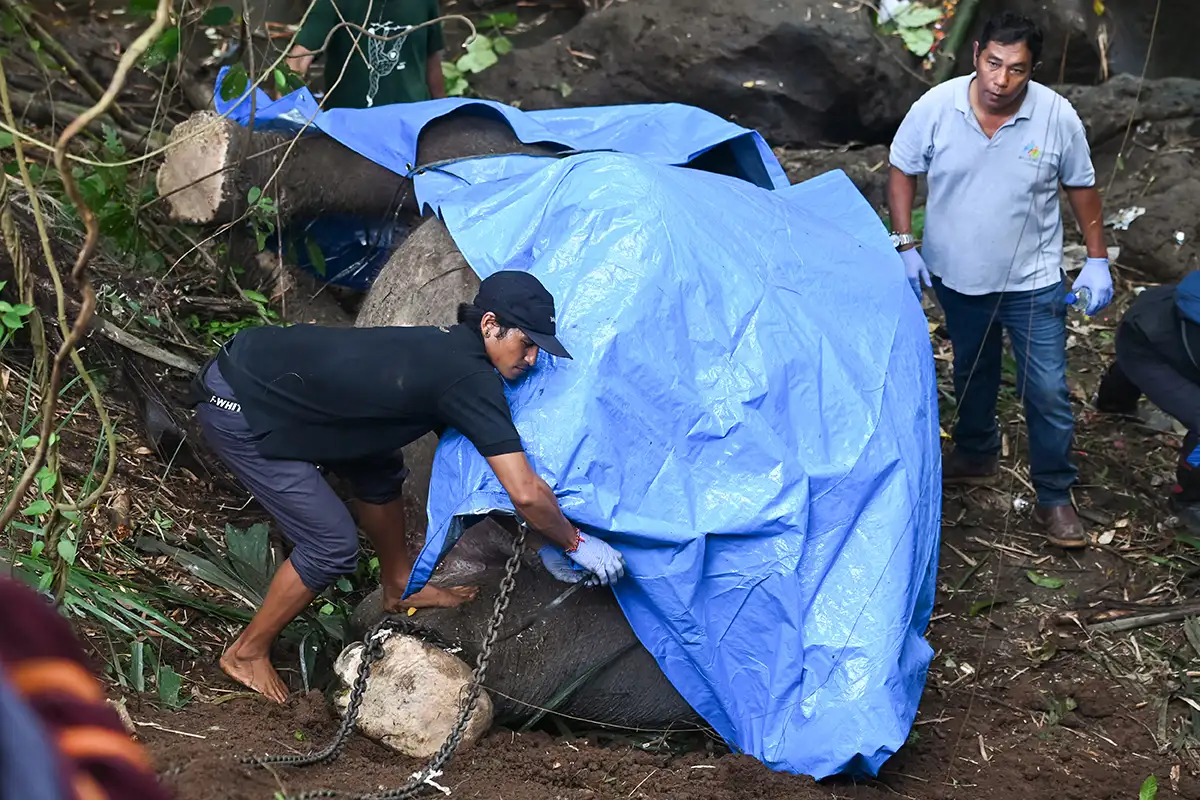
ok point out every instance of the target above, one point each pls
(901, 239)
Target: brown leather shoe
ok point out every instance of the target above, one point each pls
(1061, 525)
(958, 470)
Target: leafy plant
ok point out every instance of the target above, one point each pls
(12, 318)
(913, 23)
(1149, 789)
(244, 566)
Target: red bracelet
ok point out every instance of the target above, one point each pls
(578, 539)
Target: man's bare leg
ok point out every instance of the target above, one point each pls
(384, 526)
(248, 660)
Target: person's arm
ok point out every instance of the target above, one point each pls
(902, 190)
(533, 499)
(299, 59)
(1089, 213)
(434, 76)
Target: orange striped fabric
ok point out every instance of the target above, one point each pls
(49, 675)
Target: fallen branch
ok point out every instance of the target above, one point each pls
(44, 111)
(59, 53)
(1135, 621)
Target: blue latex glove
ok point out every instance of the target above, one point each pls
(1095, 276)
(558, 565)
(915, 269)
(599, 558)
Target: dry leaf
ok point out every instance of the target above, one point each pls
(1106, 537)
(1122, 523)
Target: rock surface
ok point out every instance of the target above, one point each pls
(800, 72)
(413, 696)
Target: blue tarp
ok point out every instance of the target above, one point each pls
(750, 417)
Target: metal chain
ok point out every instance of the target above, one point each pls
(372, 652)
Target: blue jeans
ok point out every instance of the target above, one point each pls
(1036, 322)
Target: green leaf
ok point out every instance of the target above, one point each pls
(501, 19)
(479, 56)
(1149, 789)
(235, 83)
(35, 45)
(919, 41)
(29, 442)
(36, 508)
(256, 297)
(217, 16)
(137, 666)
(66, 550)
(979, 606)
(281, 81)
(253, 195)
(315, 256)
(169, 685)
(36, 548)
(165, 49)
(46, 480)
(914, 16)
(11, 320)
(345, 585)
(22, 310)
(1188, 540)
(6, 140)
(1044, 581)
(502, 45)
(9, 24)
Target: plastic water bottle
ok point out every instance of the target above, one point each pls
(1079, 300)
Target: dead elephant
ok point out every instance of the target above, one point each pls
(585, 641)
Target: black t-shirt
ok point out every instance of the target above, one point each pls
(324, 395)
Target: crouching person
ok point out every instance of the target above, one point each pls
(1158, 347)
(277, 402)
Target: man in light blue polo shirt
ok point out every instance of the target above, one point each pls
(994, 147)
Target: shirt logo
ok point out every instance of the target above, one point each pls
(1031, 152)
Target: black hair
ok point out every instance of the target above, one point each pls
(471, 315)
(1009, 27)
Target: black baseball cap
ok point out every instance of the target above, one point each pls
(520, 298)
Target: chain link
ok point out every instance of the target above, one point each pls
(372, 652)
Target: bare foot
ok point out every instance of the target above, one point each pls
(429, 597)
(254, 673)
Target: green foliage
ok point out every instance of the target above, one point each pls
(1149, 789)
(235, 83)
(12, 318)
(244, 566)
(1045, 581)
(913, 23)
(163, 50)
(482, 52)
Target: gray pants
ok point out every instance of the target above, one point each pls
(295, 493)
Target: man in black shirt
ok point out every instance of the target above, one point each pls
(1158, 344)
(278, 402)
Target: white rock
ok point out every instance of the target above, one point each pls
(413, 696)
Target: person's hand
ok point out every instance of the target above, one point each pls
(1098, 281)
(915, 269)
(558, 565)
(599, 558)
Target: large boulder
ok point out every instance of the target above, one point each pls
(413, 696)
(801, 73)
(1157, 168)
